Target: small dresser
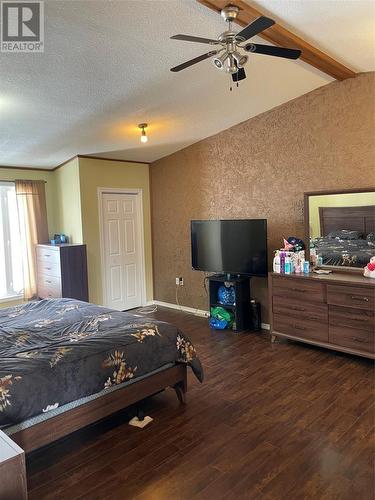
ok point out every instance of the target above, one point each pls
(334, 311)
(62, 271)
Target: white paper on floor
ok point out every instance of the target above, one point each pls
(135, 422)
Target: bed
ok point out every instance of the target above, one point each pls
(65, 364)
(348, 235)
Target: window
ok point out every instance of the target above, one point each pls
(11, 279)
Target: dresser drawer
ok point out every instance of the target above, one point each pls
(45, 254)
(299, 289)
(352, 338)
(48, 293)
(300, 308)
(351, 296)
(314, 330)
(51, 268)
(49, 286)
(362, 319)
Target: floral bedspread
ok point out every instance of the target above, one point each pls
(56, 351)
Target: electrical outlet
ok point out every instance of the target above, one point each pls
(177, 281)
(181, 281)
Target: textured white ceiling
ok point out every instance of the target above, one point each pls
(106, 68)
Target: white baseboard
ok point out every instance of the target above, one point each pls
(192, 310)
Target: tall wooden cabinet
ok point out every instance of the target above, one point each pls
(62, 271)
(334, 311)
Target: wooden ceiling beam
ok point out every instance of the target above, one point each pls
(282, 37)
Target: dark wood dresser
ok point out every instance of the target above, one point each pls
(62, 271)
(334, 311)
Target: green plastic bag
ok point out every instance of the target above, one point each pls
(222, 314)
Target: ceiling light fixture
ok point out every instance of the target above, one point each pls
(143, 127)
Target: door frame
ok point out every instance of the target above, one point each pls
(138, 192)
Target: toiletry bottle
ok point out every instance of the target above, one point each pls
(288, 265)
(292, 265)
(276, 262)
(282, 261)
(306, 267)
(302, 262)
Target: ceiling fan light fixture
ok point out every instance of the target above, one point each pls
(219, 61)
(241, 59)
(232, 66)
(143, 127)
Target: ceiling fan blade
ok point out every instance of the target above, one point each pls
(198, 39)
(270, 50)
(240, 75)
(255, 27)
(194, 61)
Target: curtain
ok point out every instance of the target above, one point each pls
(32, 214)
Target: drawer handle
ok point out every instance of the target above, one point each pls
(357, 339)
(298, 290)
(295, 308)
(297, 327)
(47, 255)
(48, 268)
(48, 281)
(313, 318)
(363, 299)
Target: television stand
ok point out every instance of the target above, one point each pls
(241, 307)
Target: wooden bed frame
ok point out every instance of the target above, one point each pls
(13, 448)
(61, 425)
(353, 218)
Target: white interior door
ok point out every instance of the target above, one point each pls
(123, 250)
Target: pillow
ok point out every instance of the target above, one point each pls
(345, 234)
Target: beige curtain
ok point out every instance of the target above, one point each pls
(32, 214)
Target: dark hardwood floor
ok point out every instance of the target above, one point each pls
(270, 421)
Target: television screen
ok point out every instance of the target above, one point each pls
(230, 246)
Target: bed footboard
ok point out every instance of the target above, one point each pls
(61, 425)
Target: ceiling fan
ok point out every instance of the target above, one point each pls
(229, 56)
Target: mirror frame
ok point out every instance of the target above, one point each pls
(306, 215)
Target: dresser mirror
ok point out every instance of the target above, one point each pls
(340, 228)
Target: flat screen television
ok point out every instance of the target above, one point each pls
(230, 246)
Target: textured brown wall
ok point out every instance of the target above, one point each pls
(260, 168)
